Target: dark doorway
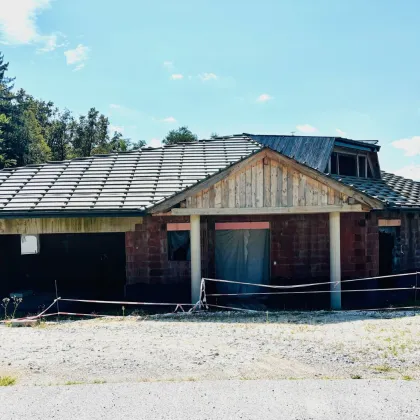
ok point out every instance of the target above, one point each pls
(388, 255)
(84, 266)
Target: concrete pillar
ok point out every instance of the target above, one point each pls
(335, 260)
(195, 258)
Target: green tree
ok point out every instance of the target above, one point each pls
(214, 135)
(91, 134)
(138, 145)
(180, 135)
(61, 135)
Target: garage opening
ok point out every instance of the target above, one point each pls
(84, 266)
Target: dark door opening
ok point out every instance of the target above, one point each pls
(388, 255)
(84, 266)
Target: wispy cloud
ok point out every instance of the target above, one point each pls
(18, 24)
(168, 65)
(169, 120)
(115, 106)
(306, 128)
(177, 76)
(77, 56)
(205, 77)
(340, 132)
(264, 97)
(114, 128)
(409, 171)
(411, 145)
(154, 143)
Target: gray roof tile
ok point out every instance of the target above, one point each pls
(124, 181)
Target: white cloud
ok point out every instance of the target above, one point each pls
(177, 76)
(340, 132)
(114, 128)
(306, 128)
(411, 146)
(410, 171)
(155, 143)
(115, 106)
(18, 24)
(77, 56)
(207, 76)
(264, 97)
(169, 120)
(168, 65)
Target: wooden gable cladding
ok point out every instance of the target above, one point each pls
(266, 182)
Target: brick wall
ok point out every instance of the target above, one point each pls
(359, 245)
(299, 248)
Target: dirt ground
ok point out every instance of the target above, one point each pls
(215, 346)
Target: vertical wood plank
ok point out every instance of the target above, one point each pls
(308, 192)
(242, 189)
(330, 196)
(295, 188)
(248, 187)
(254, 186)
(188, 202)
(315, 194)
(232, 192)
(301, 194)
(279, 201)
(324, 195)
(289, 187)
(206, 204)
(260, 184)
(274, 183)
(199, 197)
(218, 195)
(225, 193)
(267, 183)
(237, 190)
(211, 197)
(285, 201)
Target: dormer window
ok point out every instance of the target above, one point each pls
(350, 164)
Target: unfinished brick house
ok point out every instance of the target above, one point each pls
(261, 209)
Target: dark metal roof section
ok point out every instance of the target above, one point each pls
(115, 183)
(309, 150)
(393, 190)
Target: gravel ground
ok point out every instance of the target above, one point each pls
(214, 347)
(269, 400)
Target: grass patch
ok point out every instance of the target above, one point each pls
(382, 368)
(407, 378)
(355, 377)
(98, 381)
(7, 381)
(73, 383)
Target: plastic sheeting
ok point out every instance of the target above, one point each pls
(179, 245)
(242, 255)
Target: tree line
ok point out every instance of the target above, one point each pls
(34, 131)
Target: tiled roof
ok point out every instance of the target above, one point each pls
(391, 189)
(130, 181)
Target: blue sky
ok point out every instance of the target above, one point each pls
(316, 67)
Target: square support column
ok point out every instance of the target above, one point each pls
(195, 246)
(335, 261)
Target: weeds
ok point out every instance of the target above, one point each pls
(407, 378)
(382, 368)
(15, 302)
(355, 377)
(73, 383)
(7, 381)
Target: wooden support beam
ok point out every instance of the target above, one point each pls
(335, 261)
(195, 248)
(345, 208)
